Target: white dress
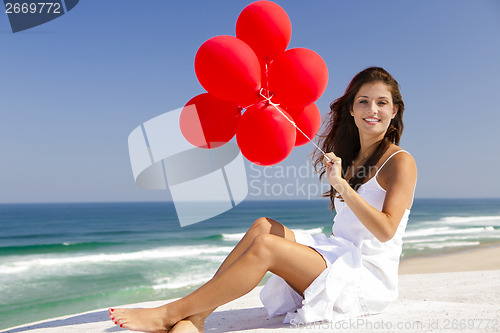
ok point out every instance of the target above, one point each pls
(361, 277)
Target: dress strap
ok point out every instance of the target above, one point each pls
(399, 151)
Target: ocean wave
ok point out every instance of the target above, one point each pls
(182, 281)
(233, 237)
(216, 237)
(493, 220)
(452, 238)
(444, 231)
(54, 248)
(487, 220)
(313, 231)
(172, 252)
(33, 236)
(441, 245)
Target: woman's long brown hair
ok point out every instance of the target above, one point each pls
(341, 135)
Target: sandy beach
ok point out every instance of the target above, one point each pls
(485, 257)
(440, 293)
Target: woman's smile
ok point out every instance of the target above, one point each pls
(371, 121)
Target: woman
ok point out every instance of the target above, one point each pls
(352, 273)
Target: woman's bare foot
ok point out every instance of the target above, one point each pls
(154, 320)
(193, 324)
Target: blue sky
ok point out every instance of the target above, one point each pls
(74, 88)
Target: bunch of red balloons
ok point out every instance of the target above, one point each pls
(253, 73)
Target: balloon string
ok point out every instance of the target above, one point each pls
(267, 78)
(268, 99)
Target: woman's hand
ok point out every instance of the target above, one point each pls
(333, 170)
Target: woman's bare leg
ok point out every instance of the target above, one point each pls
(296, 263)
(261, 226)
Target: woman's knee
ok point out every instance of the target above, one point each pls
(266, 225)
(262, 225)
(262, 245)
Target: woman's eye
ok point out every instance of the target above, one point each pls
(363, 102)
(382, 103)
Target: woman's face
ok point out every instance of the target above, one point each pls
(373, 108)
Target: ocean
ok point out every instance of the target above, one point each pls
(58, 259)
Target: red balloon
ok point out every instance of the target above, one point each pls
(298, 77)
(309, 122)
(266, 27)
(229, 69)
(264, 135)
(295, 112)
(209, 122)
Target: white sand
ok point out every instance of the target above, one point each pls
(438, 302)
(475, 259)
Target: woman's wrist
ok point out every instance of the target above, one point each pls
(341, 185)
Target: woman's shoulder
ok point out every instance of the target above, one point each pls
(399, 155)
(397, 160)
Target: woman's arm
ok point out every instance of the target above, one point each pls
(398, 176)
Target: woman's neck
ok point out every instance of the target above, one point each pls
(368, 146)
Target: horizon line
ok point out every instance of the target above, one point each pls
(252, 200)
